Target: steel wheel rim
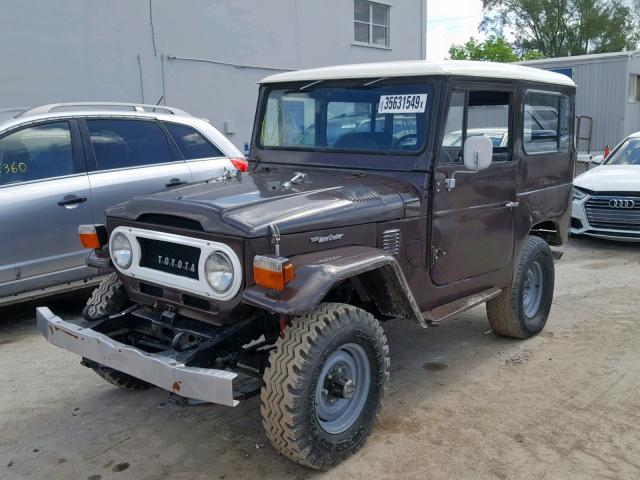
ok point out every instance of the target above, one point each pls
(532, 290)
(336, 414)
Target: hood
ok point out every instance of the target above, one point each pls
(610, 178)
(247, 204)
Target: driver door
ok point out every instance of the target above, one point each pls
(473, 222)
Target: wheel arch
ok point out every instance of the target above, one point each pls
(371, 271)
(548, 230)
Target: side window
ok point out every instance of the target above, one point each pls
(546, 123)
(128, 143)
(36, 153)
(191, 143)
(481, 113)
(489, 115)
(453, 131)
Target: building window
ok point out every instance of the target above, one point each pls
(371, 23)
(634, 87)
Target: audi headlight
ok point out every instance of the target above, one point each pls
(219, 272)
(121, 252)
(578, 194)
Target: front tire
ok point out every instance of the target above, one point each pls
(522, 309)
(324, 385)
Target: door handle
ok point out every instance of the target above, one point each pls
(175, 182)
(70, 200)
(512, 204)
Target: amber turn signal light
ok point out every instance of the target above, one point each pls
(93, 236)
(272, 272)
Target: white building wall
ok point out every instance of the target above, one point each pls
(204, 56)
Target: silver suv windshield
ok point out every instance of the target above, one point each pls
(390, 118)
(627, 154)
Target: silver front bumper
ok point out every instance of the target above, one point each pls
(209, 385)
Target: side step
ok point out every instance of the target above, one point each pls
(450, 309)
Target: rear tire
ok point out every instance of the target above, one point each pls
(324, 385)
(108, 298)
(522, 309)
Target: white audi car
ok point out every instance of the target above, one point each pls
(606, 199)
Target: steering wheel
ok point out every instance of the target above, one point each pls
(404, 138)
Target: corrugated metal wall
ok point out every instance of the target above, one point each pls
(602, 94)
(632, 110)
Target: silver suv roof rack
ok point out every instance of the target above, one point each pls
(18, 110)
(136, 107)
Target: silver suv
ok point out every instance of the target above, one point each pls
(62, 165)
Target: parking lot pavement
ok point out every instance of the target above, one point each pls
(463, 403)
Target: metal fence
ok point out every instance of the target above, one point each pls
(584, 162)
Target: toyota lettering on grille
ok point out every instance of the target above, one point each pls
(622, 203)
(176, 263)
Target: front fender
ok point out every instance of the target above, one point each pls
(316, 273)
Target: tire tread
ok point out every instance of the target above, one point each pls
(282, 400)
(502, 310)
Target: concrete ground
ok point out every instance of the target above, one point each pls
(463, 403)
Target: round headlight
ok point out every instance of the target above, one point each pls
(121, 250)
(219, 272)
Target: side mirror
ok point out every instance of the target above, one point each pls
(477, 153)
(597, 159)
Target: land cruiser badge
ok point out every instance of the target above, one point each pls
(332, 237)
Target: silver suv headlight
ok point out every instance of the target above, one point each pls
(218, 271)
(121, 252)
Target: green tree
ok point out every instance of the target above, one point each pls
(493, 49)
(559, 28)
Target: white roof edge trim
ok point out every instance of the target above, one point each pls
(506, 71)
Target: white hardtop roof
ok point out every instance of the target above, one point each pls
(416, 68)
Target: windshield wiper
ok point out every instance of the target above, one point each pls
(374, 81)
(309, 85)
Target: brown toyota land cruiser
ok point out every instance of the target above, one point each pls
(375, 192)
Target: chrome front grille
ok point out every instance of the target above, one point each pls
(391, 241)
(614, 212)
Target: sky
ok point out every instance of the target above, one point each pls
(449, 22)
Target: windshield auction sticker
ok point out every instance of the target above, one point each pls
(412, 103)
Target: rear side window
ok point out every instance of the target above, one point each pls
(191, 143)
(36, 153)
(128, 143)
(546, 123)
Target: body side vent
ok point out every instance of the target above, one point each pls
(391, 241)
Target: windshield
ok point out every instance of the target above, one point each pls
(390, 118)
(627, 154)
